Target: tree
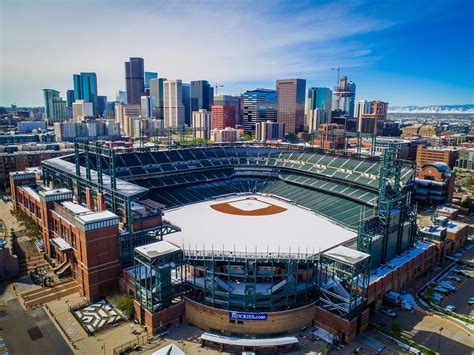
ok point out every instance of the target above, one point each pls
(470, 182)
(396, 328)
(429, 293)
(291, 137)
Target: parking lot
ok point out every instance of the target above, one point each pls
(423, 328)
(459, 299)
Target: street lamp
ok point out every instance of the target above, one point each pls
(439, 338)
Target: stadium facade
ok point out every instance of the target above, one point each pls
(112, 206)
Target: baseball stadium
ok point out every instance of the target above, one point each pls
(242, 241)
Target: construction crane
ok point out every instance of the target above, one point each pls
(216, 86)
(339, 71)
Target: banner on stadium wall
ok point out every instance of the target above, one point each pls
(247, 316)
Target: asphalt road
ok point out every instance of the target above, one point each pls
(30, 332)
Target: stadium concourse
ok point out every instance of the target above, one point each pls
(240, 241)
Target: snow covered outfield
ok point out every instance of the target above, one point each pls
(295, 228)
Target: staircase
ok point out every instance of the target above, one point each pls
(29, 262)
(39, 296)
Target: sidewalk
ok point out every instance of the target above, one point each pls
(79, 340)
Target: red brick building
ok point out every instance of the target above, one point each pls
(223, 116)
(81, 241)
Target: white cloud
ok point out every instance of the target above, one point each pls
(45, 42)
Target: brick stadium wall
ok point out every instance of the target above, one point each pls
(347, 329)
(399, 277)
(164, 319)
(278, 322)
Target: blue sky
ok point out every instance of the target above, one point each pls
(413, 52)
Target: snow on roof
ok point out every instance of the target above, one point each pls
(296, 230)
(51, 192)
(32, 192)
(398, 261)
(347, 255)
(156, 249)
(446, 209)
(220, 339)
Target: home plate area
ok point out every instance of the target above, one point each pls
(97, 316)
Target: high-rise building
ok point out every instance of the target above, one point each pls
(228, 100)
(186, 88)
(101, 103)
(173, 104)
(202, 122)
(134, 80)
(223, 116)
(270, 131)
(202, 95)
(156, 95)
(85, 88)
(370, 116)
(54, 106)
(291, 98)
(318, 107)
(121, 96)
(124, 113)
(81, 109)
(344, 96)
(148, 76)
(146, 109)
(70, 98)
(259, 105)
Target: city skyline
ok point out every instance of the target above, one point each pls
(405, 53)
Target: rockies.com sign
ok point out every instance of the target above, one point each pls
(247, 316)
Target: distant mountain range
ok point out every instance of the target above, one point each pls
(469, 108)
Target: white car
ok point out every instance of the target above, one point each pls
(471, 301)
(389, 312)
(450, 308)
(454, 278)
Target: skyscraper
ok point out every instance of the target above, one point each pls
(156, 96)
(291, 97)
(134, 80)
(81, 109)
(344, 96)
(202, 121)
(318, 107)
(202, 95)
(173, 104)
(54, 106)
(146, 109)
(259, 105)
(121, 96)
(148, 76)
(101, 102)
(223, 116)
(186, 88)
(85, 88)
(228, 100)
(70, 98)
(370, 116)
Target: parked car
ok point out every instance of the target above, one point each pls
(437, 298)
(462, 272)
(450, 308)
(441, 290)
(389, 312)
(449, 286)
(454, 278)
(471, 301)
